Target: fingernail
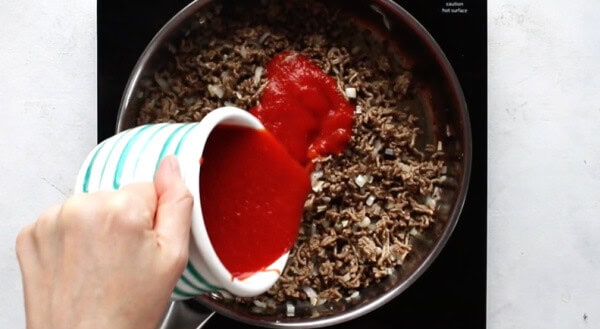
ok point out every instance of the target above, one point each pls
(173, 165)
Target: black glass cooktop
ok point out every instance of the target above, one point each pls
(451, 293)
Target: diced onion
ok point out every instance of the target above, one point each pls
(437, 192)
(430, 202)
(351, 92)
(353, 295)
(314, 179)
(448, 131)
(216, 90)
(346, 277)
(264, 37)
(376, 148)
(318, 186)
(358, 109)
(259, 303)
(365, 222)
(311, 294)
(376, 209)
(257, 74)
(370, 200)
(316, 174)
(361, 180)
(290, 310)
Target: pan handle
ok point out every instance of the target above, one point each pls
(183, 315)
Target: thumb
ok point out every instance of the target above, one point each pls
(174, 210)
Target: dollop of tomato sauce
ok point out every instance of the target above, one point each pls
(254, 183)
(252, 195)
(303, 107)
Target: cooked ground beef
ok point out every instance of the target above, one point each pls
(367, 203)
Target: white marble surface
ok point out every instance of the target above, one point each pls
(544, 147)
(47, 119)
(544, 164)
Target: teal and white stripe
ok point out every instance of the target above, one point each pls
(134, 156)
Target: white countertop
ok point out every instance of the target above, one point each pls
(544, 147)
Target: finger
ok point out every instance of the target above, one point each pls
(25, 245)
(136, 204)
(45, 225)
(29, 259)
(174, 212)
(80, 209)
(35, 240)
(44, 230)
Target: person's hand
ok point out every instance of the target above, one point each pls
(107, 259)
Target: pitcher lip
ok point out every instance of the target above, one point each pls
(258, 282)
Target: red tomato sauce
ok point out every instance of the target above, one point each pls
(252, 195)
(254, 183)
(303, 107)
